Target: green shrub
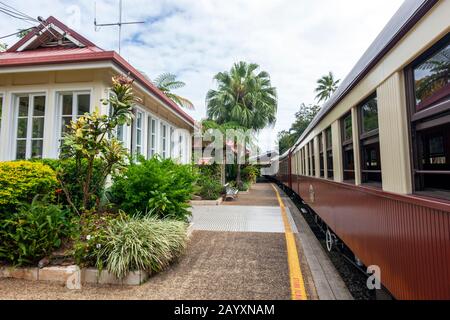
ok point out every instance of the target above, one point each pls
(143, 185)
(210, 188)
(69, 176)
(91, 238)
(21, 181)
(209, 182)
(250, 173)
(33, 232)
(142, 244)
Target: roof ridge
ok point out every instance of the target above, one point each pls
(49, 21)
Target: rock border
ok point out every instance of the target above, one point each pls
(73, 276)
(199, 203)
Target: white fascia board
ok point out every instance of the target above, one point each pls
(57, 67)
(121, 71)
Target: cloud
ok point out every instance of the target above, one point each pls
(296, 41)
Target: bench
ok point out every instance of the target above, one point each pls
(230, 192)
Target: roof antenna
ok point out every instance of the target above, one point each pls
(119, 24)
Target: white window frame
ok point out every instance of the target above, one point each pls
(164, 145)
(152, 142)
(139, 131)
(30, 117)
(2, 112)
(75, 116)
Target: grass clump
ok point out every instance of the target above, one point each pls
(145, 243)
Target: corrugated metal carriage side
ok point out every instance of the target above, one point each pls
(374, 164)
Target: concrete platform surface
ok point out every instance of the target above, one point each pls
(238, 219)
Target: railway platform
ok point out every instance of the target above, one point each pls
(255, 248)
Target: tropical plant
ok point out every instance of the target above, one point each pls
(33, 232)
(141, 244)
(67, 174)
(167, 82)
(251, 173)
(155, 184)
(91, 237)
(3, 47)
(210, 188)
(91, 138)
(244, 97)
(21, 181)
(326, 86)
(303, 118)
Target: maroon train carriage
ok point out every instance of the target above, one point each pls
(340, 173)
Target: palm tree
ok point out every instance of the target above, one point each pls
(167, 82)
(245, 97)
(326, 87)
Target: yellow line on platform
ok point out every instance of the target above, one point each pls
(295, 273)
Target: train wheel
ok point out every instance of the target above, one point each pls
(329, 240)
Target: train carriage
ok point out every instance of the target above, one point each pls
(374, 164)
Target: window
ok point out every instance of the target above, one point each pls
(138, 128)
(347, 148)
(30, 126)
(151, 137)
(428, 97)
(172, 142)
(313, 159)
(321, 152)
(73, 106)
(370, 143)
(329, 150)
(164, 141)
(432, 76)
(180, 148)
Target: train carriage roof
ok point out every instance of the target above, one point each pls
(400, 24)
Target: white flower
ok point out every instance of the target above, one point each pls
(88, 238)
(98, 246)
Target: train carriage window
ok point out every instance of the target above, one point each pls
(329, 150)
(321, 151)
(313, 159)
(428, 96)
(347, 148)
(370, 143)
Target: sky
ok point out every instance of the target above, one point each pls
(296, 41)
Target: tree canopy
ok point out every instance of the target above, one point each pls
(326, 86)
(167, 82)
(303, 118)
(244, 96)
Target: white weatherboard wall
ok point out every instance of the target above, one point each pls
(96, 83)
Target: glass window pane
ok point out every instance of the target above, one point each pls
(67, 105)
(370, 115)
(38, 128)
(36, 148)
(65, 123)
(22, 125)
(39, 106)
(432, 77)
(348, 129)
(120, 133)
(23, 106)
(139, 137)
(84, 101)
(21, 149)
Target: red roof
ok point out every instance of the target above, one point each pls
(88, 53)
